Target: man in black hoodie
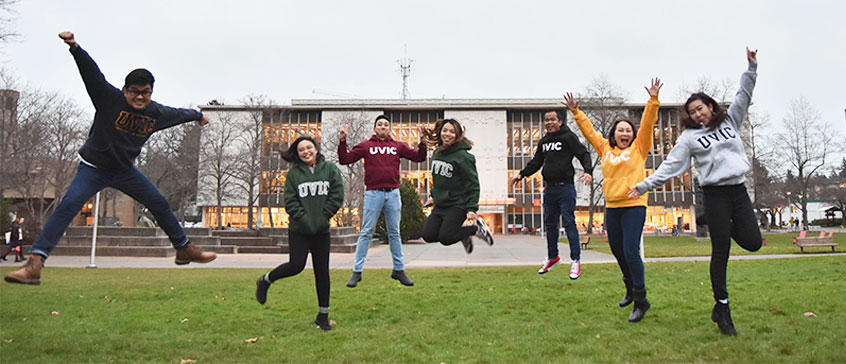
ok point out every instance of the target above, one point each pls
(123, 121)
(555, 153)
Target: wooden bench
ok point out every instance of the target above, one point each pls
(585, 241)
(803, 241)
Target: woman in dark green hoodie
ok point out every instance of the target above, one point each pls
(314, 191)
(455, 189)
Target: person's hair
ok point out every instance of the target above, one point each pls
(717, 116)
(381, 117)
(139, 76)
(291, 154)
(612, 132)
(434, 134)
(560, 114)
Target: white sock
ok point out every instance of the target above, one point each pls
(323, 310)
(266, 277)
(723, 301)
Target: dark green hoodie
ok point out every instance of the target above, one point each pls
(454, 178)
(311, 198)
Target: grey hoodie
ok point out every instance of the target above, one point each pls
(719, 153)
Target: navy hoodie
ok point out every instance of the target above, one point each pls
(119, 131)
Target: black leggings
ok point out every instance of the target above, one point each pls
(730, 216)
(300, 245)
(444, 225)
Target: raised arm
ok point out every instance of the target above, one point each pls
(345, 157)
(676, 163)
(737, 110)
(584, 124)
(171, 116)
(649, 118)
(95, 83)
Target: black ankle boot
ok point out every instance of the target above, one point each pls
(627, 300)
(721, 314)
(322, 321)
(641, 304)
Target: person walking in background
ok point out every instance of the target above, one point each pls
(624, 155)
(712, 137)
(314, 191)
(123, 121)
(555, 153)
(381, 156)
(455, 189)
(15, 241)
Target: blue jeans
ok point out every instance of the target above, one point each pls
(625, 227)
(375, 202)
(560, 201)
(90, 180)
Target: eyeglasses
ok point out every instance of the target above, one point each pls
(136, 92)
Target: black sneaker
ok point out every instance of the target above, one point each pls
(468, 244)
(261, 290)
(483, 232)
(322, 321)
(354, 279)
(721, 314)
(402, 277)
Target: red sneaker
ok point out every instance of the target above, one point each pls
(548, 264)
(575, 269)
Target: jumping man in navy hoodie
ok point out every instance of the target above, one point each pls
(123, 121)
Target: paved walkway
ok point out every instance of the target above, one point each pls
(508, 250)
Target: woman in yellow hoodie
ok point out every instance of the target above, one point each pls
(623, 157)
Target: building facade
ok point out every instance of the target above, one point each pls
(505, 133)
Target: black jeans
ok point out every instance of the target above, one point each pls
(730, 216)
(299, 245)
(444, 225)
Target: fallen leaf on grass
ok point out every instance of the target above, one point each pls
(597, 336)
(183, 320)
(186, 361)
(332, 322)
(582, 323)
(9, 341)
(252, 340)
(54, 313)
(108, 299)
(810, 314)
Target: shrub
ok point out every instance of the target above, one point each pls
(412, 216)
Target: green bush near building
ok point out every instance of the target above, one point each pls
(412, 219)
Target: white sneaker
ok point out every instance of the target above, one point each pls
(483, 232)
(575, 269)
(548, 264)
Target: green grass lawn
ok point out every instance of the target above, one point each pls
(476, 315)
(687, 246)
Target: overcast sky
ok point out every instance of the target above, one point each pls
(225, 50)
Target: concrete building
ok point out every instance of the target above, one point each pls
(504, 131)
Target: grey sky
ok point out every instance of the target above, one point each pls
(203, 50)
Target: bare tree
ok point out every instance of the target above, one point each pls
(603, 103)
(170, 161)
(249, 155)
(807, 142)
(217, 161)
(360, 128)
(7, 20)
(759, 154)
(722, 91)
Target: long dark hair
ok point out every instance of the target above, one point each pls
(291, 154)
(611, 133)
(718, 115)
(434, 134)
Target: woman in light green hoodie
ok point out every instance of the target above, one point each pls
(455, 189)
(314, 191)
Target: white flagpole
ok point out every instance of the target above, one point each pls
(94, 234)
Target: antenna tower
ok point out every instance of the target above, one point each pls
(405, 71)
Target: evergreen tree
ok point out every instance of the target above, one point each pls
(412, 216)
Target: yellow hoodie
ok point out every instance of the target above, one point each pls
(622, 168)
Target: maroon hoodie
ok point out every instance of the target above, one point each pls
(381, 159)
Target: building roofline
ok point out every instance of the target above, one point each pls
(378, 104)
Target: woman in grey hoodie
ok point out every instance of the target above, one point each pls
(712, 138)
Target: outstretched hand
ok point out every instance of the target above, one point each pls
(752, 56)
(570, 101)
(634, 194)
(68, 38)
(343, 134)
(204, 120)
(656, 86)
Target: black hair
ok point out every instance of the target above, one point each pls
(381, 117)
(718, 115)
(139, 76)
(291, 154)
(560, 114)
(611, 132)
(434, 134)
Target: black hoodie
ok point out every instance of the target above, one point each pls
(555, 152)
